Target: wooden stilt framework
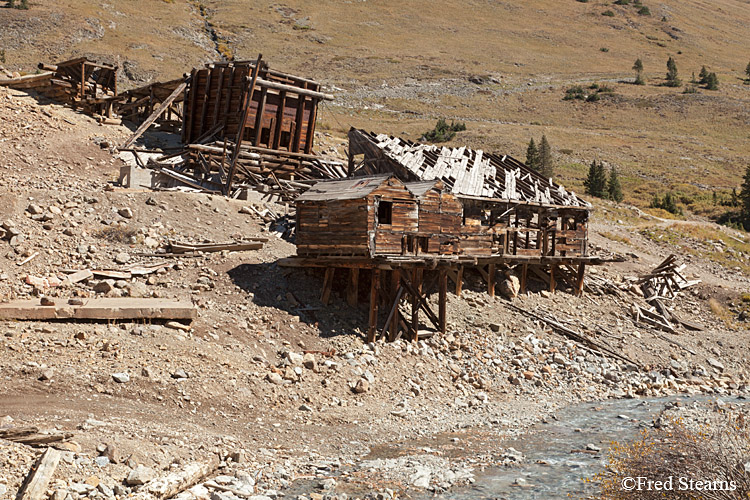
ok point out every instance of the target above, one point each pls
(399, 289)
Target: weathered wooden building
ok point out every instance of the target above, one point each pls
(522, 212)
(416, 215)
(378, 216)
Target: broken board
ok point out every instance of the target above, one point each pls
(100, 308)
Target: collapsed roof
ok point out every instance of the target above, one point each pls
(466, 172)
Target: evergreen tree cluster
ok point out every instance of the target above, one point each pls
(443, 132)
(710, 80)
(601, 185)
(540, 158)
(638, 68)
(667, 202)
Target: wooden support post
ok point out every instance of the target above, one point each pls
(459, 280)
(350, 167)
(395, 288)
(353, 288)
(552, 283)
(442, 298)
(327, 285)
(524, 274)
(416, 301)
(491, 280)
(579, 278)
(374, 292)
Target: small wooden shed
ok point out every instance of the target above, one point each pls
(378, 215)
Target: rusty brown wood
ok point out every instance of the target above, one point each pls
(353, 287)
(374, 296)
(491, 280)
(325, 296)
(580, 279)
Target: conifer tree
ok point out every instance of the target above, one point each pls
(703, 76)
(745, 199)
(712, 82)
(638, 68)
(545, 158)
(672, 79)
(614, 189)
(532, 155)
(747, 72)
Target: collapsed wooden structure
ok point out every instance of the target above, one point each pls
(80, 83)
(271, 116)
(457, 210)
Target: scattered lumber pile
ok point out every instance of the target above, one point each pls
(662, 284)
(138, 105)
(666, 280)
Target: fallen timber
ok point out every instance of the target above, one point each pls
(576, 336)
(99, 309)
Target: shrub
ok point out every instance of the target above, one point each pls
(622, 2)
(608, 13)
(747, 72)
(603, 49)
(714, 452)
(443, 132)
(575, 92)
(644, 11)
(690, 89)
(24, 5)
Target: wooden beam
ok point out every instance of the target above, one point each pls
(156, 114)
(246, 100)
(327, 285)
(296, 90)
(579, 279)
(491, 280)
(524, 276)
(442, 298)
(99, 308)
(374, 292)
(259, 117)
(398, 290)
(353, 287)
(36, 483)
(394, 316)
(459, 280)
(415, 300)
(552, 282)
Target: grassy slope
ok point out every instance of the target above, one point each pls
(660, 138)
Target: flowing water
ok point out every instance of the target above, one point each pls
(555, 464)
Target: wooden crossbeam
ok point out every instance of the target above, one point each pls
(156, 114)
(325, 296)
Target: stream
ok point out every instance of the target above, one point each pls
(552, 469)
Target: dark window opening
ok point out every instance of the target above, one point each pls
(385, 212)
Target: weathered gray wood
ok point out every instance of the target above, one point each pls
(35, 486)
(176, 482)
(100, 308)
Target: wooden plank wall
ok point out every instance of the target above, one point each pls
(276, 120)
